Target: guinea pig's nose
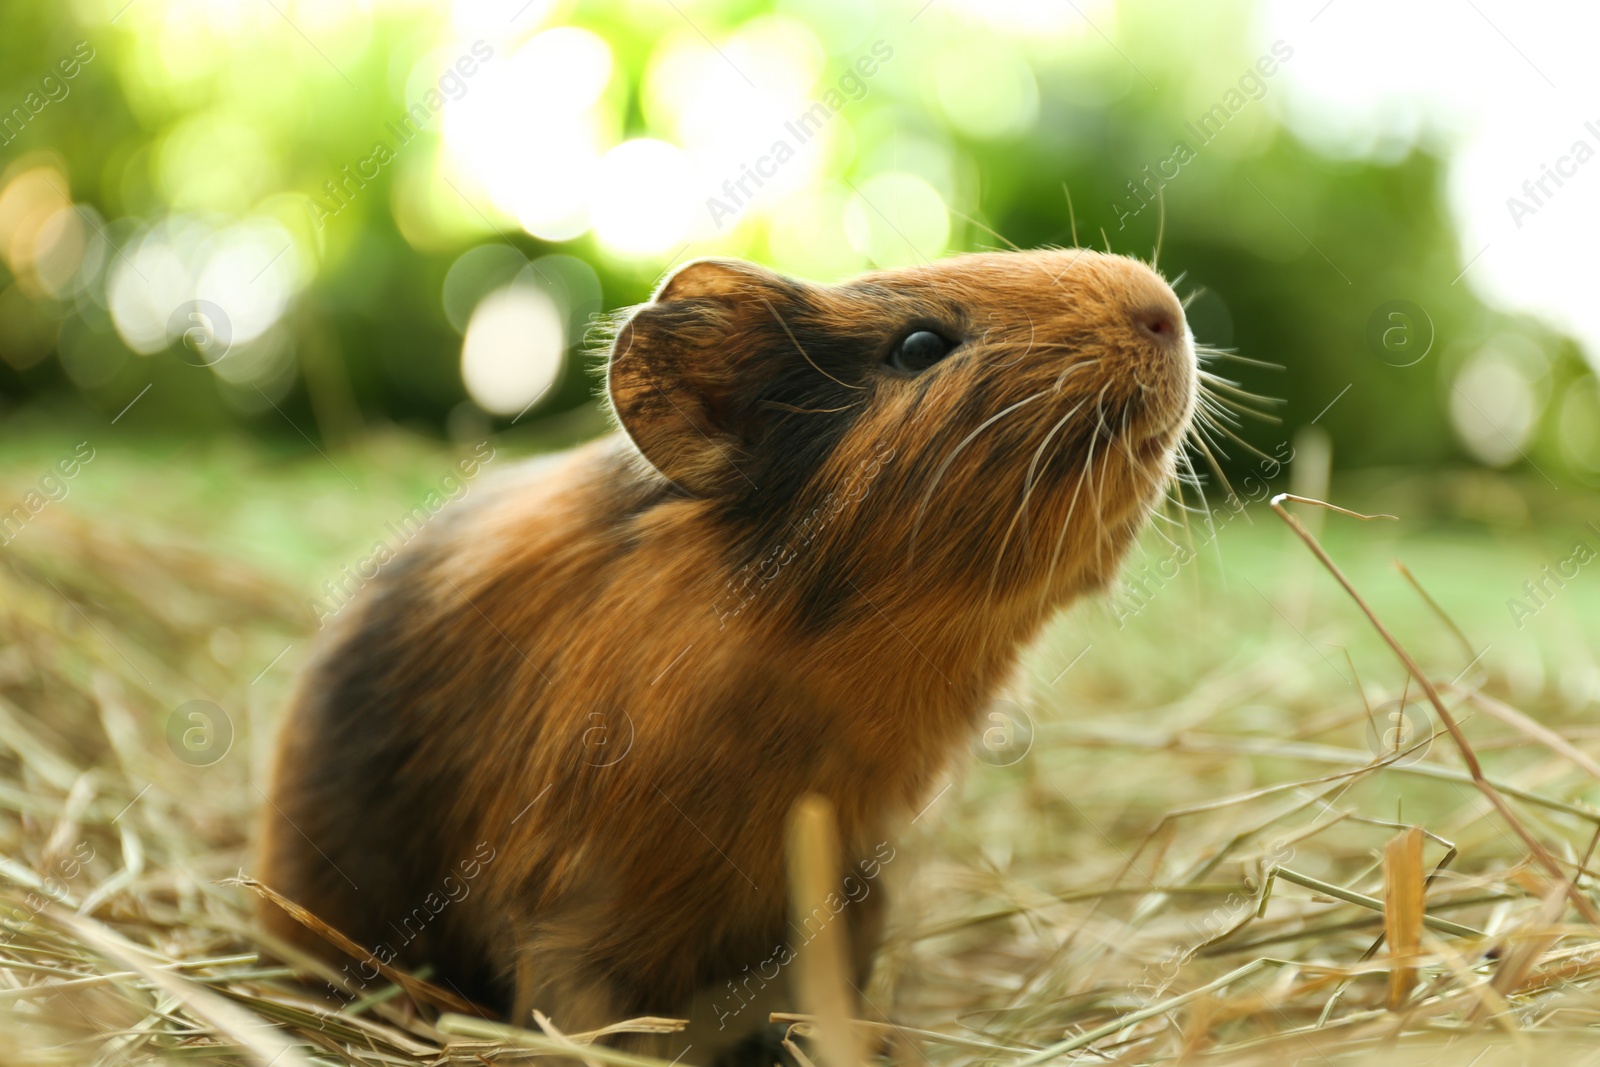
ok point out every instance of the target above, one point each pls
(1151, 317)
(1159, 324)
(1154, 312)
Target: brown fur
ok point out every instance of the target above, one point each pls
(796, 569)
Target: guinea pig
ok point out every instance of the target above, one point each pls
(551, 749)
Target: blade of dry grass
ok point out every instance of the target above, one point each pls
(1541, 854)
(1403, 911)
(1352, 897)
(868, 1026)
(551, 1031)
(418, 989)
(265, 1045)
(1530, 946)
(1536, 730)
(510, 1036)
(822, 963)
(1121, 1023)
(1434, 605)
(1316, 753)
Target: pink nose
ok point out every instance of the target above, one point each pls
(1159, 323)
(1152, 308)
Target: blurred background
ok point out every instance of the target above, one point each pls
(275, 274)
(296, 222)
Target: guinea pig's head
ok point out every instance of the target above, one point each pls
(994, 422)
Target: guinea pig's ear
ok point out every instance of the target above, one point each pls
(684, 366)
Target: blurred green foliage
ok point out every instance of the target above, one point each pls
(217, 116)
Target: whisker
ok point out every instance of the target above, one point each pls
(1028, 481)
(788, 333)
(1161, 226)
(1217, 379)
(1260, 416)
(1199, 488)
(922, 508)
(1088, 467)
(1221, 403)
(1177, 499)
(1223, 353)
(1072, 508)
(1216, 468)
(1207, 408)
(1211, 522)
(1234, 387)
(1244, 405)
(1062, 378)
(1032, 333)
(1186, 509)
(1231, 402)
(1098, 510)
(780, 406)
(1181, 478)
(1204, 430)
(984, 226)
(1246, 444)
(1021, 513)
(1160, 515)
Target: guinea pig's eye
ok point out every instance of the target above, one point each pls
(919, 351)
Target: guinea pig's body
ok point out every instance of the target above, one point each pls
(552, 750)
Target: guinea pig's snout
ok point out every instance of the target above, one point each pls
(1154, 312)
(1158, 353)
(1159, 324)
(1154, 317)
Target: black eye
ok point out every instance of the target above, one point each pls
(919, 351)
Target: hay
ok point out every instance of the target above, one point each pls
(1190, 863)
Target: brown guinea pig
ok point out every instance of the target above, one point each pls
(551, 750)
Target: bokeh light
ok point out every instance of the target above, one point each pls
(987, 89)
(808, 236)
(514, 349)
(249, 269)
(1580, 425)
(531, 128)
(644, 198)
(1495, 401)
(42, 239)
(413, 160)
(897, 220)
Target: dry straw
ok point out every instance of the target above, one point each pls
(1227, 877)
